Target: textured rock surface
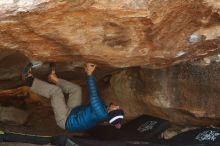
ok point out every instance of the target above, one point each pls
(126, 33)
(150, 34)
(13, 116)
(12, 7)
(184, 94)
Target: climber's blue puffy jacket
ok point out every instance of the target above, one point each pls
(86, 117)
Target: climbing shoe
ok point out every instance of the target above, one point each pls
(26, 74)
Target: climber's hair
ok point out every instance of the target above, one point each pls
(111, 103)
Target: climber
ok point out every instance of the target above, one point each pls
(73, 116)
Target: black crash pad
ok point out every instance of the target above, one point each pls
(198, 137)
(92, 142)
(24, 138)
(143, 128)
(146, 127)
(62, 140)
(88, 141)
(59, 140)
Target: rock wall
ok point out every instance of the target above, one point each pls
(185, 94)
(154, 34)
